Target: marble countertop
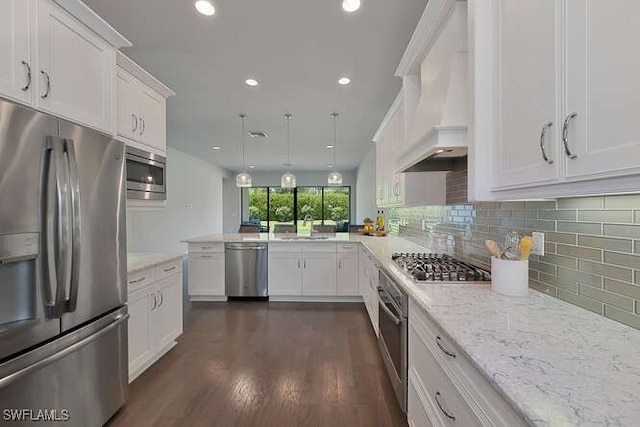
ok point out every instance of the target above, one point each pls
(137, 261)
(558, 364)
(270, 237)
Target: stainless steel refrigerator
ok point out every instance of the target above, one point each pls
(63, 318)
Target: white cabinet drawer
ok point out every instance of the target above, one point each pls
(140, 279)
(319, 247)
(350, 248)
(417, 415)
(206, 248)
(169, 269)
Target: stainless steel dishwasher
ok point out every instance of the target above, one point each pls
(245, 269)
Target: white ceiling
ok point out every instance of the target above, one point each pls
(297, 49)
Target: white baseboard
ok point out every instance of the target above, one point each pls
(151, 361)
(207, 298)
(302, 298)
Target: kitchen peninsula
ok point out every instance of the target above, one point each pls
(526, 360)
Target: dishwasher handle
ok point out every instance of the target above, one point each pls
(245, 247)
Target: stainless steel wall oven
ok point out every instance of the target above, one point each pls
(146, 175)
(393, 319)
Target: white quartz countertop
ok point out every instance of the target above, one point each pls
(137, 261)
(270, 237)
(558, 364)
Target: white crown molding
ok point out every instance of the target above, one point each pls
(387, 118)
(143, 75)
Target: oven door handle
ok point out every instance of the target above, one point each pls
(384, 307)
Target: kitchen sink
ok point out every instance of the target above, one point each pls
(304, 237)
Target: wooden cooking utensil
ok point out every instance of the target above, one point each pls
(493, 248)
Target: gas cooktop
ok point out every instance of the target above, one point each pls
(433, 267)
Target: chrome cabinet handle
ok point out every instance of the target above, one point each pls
(298, 262)
(396, 189)
(565, 135)
(444, 411)
(155, 302)
(205, 247)
(305, 263)
(339, 263)
(142, 126)
(443, 348)
(134, 121)
(48, 78)
(137, 280)
(205, 256)
(161, 299)
(27, 69)
(166, 270)
(542, 141)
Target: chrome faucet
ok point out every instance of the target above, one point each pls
(307, 218)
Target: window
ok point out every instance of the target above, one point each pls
(302, 206)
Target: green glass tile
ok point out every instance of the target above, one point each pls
(580, 301)
(568, 215)
(581, 203)
(570, 239)
(625, 216)
(624, 260)
(619, 245)
(545, 289)
(579, 252)
(622, 288)
(604, 270)
(622, 316)
(622, 201)
(580, 227)
(607, 298)
(629, 231)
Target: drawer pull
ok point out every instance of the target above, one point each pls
(205, 256)
(166, 270)
(444, 411)
(137, 280)
(443, 348)
(206, 247)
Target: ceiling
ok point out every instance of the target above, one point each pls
(296, 49)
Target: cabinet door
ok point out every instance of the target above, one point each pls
(76, 69)
(603, 88)
(16, 68)
(140, 305)
(315, 277)
(347, 274)
(206, 274)
(170, 310)
(151, 106)
(285, 273)
(526, 83)
(127, 120)
(373, 295)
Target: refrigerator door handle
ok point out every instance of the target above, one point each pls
(74, 184)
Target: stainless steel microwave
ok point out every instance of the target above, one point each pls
(146, 175)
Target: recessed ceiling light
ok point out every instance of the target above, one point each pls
(350, 5)
(329, 166)
(252, 166)
(251, 82)
(216, 147)
(329, 146)
(205, 7)
(344, 81)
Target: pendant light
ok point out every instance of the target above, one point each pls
(243, 179)
(335, 177)
(288, 179)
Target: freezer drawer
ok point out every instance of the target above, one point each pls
(245, 269)
(80, 378)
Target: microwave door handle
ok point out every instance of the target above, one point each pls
(74, 185)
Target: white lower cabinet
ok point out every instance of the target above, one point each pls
(316, 273)
(206, 271)
(445, 389)
(347, 270)
(368, 285)
(285, 273)
(155, 309)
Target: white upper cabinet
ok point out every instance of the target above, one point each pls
(527, 78)
(16, 67)
(75, 69)
(141, 107)
(602, 88)
(560, 81)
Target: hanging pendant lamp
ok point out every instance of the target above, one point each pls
(288, 180)
(335, 177)
(243, 179)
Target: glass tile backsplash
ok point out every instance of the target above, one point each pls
(592, 250)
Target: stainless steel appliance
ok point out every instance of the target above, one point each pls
(245, 269)
(392, 340)
(63, 318)
(432, 267)
(146, 175)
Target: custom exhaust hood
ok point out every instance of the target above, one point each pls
(434, 73)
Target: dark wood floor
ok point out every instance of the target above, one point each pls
(267, 364)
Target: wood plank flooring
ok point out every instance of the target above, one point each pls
(267, 364)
